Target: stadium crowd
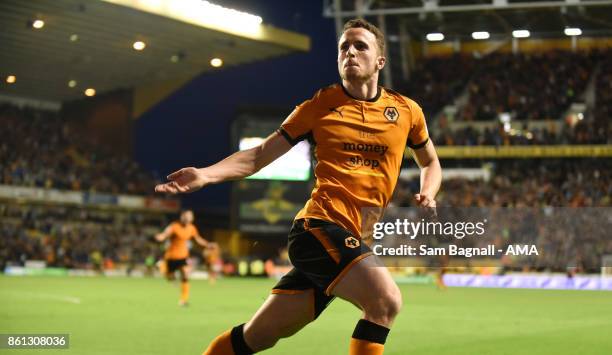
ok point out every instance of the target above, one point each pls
(529, 86)
(93, 238)
(76, 237)
(435, 82)
(41, 149)
(602, 112)
(580, 132)
(573, 237)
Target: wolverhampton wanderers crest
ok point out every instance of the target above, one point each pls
(351, 242)
(391, 114)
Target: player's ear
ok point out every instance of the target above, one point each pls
(380, 62)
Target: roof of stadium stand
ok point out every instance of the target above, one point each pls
(91, 42)
(457, 19)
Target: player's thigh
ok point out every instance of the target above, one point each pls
(184, 272)
(368, 284)
(280, 316)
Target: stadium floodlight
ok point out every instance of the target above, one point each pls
(480, 35)
(90, 92)
(11, 79)
(211, 15)
(177, 57)
(434, 37)
(573, 31)
(139, 45)
(521, 34)
(216, 62)
(38, 24)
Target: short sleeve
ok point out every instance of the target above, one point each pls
(418, 135)
(298, 124)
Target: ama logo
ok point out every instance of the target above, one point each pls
(517, 249)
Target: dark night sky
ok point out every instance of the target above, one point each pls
(192, 126)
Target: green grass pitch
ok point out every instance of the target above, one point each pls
(141, 316)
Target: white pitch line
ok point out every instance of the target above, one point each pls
(69, 299)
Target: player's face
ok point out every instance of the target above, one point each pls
(187, 217)
(358, 55)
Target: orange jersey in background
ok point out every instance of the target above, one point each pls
(359, 147)
(178, 240)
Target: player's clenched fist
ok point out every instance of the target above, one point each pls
(425, 201)
(183, 181)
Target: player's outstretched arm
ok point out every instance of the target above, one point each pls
(431, 174)
(237, 166)
(160, 237)
(201, 241)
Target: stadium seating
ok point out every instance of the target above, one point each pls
(75, 237)
(528, 87)
(42, 150)
(536, 184)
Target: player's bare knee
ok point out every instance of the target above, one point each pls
(384, 308)
(394, 303)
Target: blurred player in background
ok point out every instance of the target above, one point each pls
(214, 264)
(360, 131)
(443, 262)
(179, 233)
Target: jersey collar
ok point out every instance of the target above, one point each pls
(374, 99)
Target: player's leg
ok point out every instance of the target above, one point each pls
(184, 272)
(170, 269)
(440, 279)
(281, 316)
(285, 312)
(352, 273)
(296, 300)
(369, 285)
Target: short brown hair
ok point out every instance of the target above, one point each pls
(361, 23)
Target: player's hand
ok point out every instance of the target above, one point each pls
(428, 203)
(425, 201)
(185, 180)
